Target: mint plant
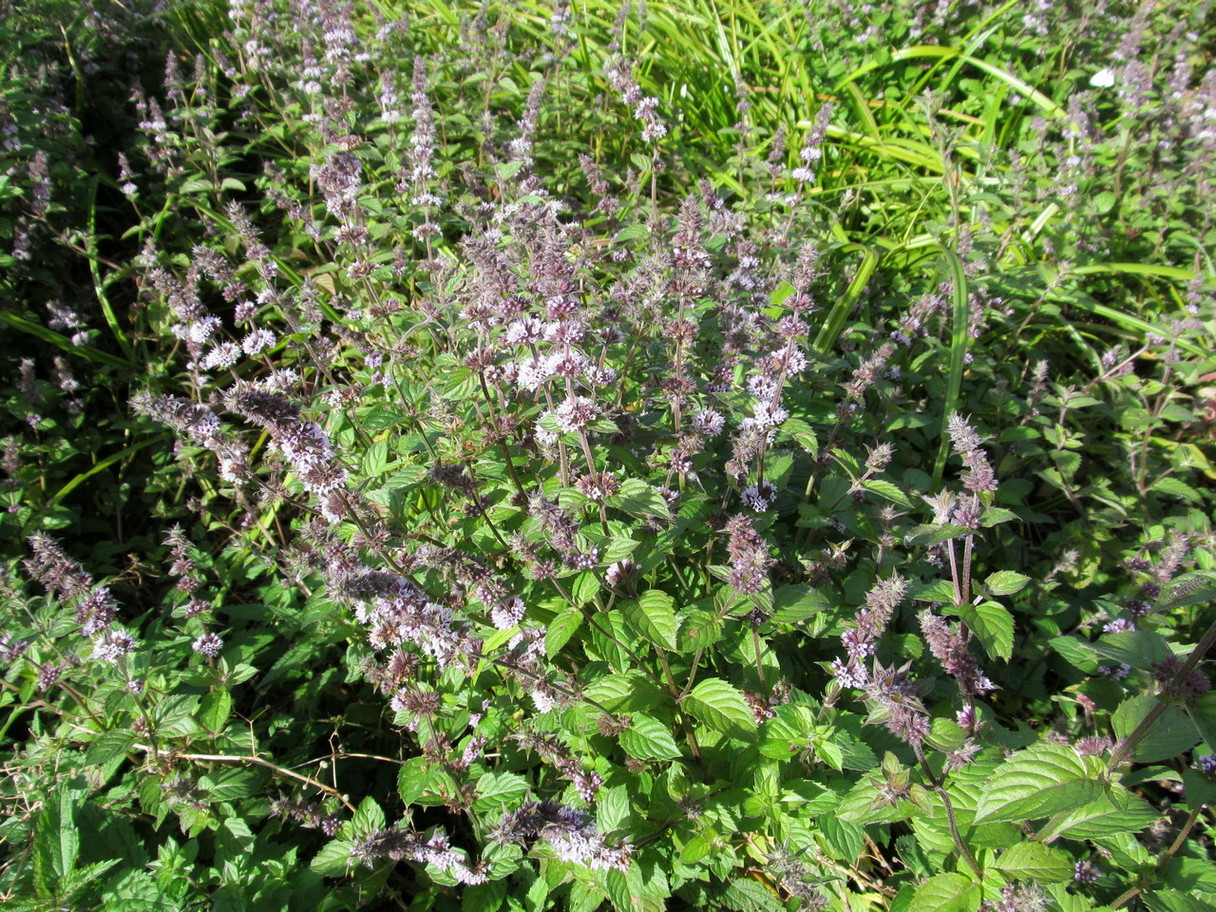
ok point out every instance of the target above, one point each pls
(571, 506)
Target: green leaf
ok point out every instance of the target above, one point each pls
(108, 746)
(1138, 648)
(214, 709)
(56, 842)
(946, 893)
(495, 790)
(1035, 861)
(1114, 813)
(1078, 653)
(1005, 582)
(636, 498)
(334, 860)
(1203, 713)
(750, 896)
(649, 739)
(699, 629)
(1170, 735)
(585, 587)
(887, 491)
(794, 604)
(1039, 781)
(993, 626)
(844, 840)
(367, 819)
(561, 629)
(1163, 901)
(414, 778)
(720, 706)
(654, 617)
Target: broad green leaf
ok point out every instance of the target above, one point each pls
(1078, 653)
(1005, 582)
(1114, 813)
(843, 839)
(1172, 901)
(720, 706)
(1203, 713)
(750, 896)
(654, 617)
(629, 692)
(1170, 735)
(367, 819)
(1035, 861)
(561, 629)
(888, 491)
(1138, 648)
(414, 777)
(214, 709)
(494, 790)
(1191, 588)
(56, 841)
(636, 498)
(334, 860)
(699, 629)
(1039, 781)
(649, 739)
(793, 604)
(993, 626)
(232, 783)
(485, 897)
(108, 746)
(585, 587)
(946, 893)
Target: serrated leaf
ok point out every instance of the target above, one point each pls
(844, 840)
(1035, 861)
(1138, 648)
(56, 841)
(699, 629)
(561, 629)
(720, 706)
(1171, 901)
(1117, 812)
(414, 778)
(1078, 653)
(654, 617)
(887, 491)
(214, 709)
(635, 232)
(946, 893)
(1171, 734)
(108, 746)
(750, 896)
(794, 604)
(637, 498)
(994, 516)
(367, 819)
(495, 790)
(992, 625)
(649, 739)
(1039, 781)
(1005, 582)
(1192, 588)
(334, 859)
(938, 591)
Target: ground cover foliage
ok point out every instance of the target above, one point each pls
(743, 455)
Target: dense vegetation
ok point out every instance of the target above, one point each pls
(516, 456)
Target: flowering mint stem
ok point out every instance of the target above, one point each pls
(1125, 747)
(937, 787)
